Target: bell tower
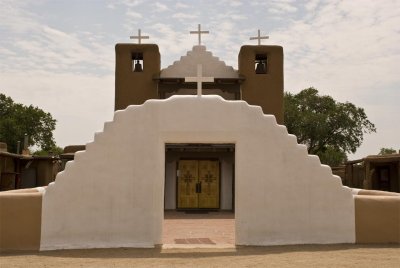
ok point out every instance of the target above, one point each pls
(136, 65)
(262, 67)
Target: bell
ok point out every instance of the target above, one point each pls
(260, 68)
(138, 67)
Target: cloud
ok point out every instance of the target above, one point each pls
(133, 14)
(110, 6)
(132, 3)
(183, 16)
(280, 7)
(159, 7)
(238, 17)
(180, 5)
(235, 3)
(312, 5)
(6, 52)
(170, 41)
(46, 48)
(14, 17)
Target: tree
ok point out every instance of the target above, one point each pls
(16, 120)
(328, 128)
(384, 151)
(53, 151)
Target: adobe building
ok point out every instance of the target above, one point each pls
(19, 171)
(374, 172)
(259, 80)
(169, 148)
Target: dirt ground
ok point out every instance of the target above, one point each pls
(276, 256)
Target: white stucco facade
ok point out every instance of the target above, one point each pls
(112, 194)
(187, 65)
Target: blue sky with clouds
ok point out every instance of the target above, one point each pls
(59, 54)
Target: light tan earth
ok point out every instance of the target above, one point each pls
(277, 256)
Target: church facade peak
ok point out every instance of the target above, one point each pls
(187, 65)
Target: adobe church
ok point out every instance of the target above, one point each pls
(195, 135)
(200, 176)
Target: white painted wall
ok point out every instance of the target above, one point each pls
(112, 194)
(187, 65)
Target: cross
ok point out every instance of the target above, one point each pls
(209, 178)
(139, 37)
(259, 37)
(199, 79)
(187, 178)
(199, 32)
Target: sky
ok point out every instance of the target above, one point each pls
(59, 55)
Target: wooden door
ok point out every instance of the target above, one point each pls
(209, 183)
(187, 182)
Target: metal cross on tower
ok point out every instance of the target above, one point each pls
(139, 37)
(199, 32)
(259, 37)
(199, 79)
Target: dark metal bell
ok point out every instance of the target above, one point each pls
(260, 68)
(138, 67)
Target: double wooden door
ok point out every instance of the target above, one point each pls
(198, 184)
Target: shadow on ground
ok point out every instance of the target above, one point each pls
(195, 253)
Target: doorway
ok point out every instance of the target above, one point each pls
(199, 195)
(199, 177)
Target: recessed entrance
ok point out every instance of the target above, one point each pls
(199, 176)
(199, 195)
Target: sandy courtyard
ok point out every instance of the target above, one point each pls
(278, 256)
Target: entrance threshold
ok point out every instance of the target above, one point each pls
(199, 246)
(213, 230)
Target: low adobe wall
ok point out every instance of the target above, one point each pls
(20, 219)
(377, 216)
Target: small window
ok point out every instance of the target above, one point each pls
(261, 64)
(137, 62)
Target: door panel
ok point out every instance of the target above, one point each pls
(187, 180)
(198, 184)
(209, 181)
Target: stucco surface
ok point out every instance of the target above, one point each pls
(187, 65)
(377, 218)
(20, 219)
(112, 194)
(375, 192)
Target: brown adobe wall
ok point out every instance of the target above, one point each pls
(377, 217)
(20, 219)
(265, 90)
(135, 87)
(375, 192)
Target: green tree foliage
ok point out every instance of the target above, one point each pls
(16, 120)
(384, 151)
(53, 151)
(328, 128)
